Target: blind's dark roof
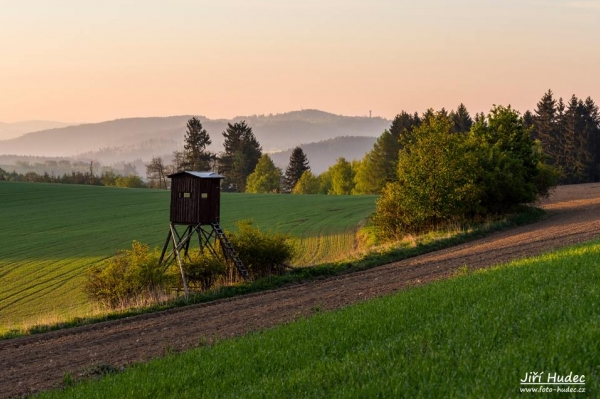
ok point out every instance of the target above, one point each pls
(201, 175)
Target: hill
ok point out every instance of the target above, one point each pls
(127, 139)
(16, 129)
(321, 155)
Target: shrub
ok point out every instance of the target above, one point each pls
(263, 253)
(128, 277)
(202, 269)
(131, 181)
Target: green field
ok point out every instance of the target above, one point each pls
(51, 233)
(473, 336)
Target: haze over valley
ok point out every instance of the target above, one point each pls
(325, 137)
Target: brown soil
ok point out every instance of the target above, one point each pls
(39, 362)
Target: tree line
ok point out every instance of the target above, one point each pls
(106, 178)
(246, 168)
(432, 169)
(569, 135)
(447, 175)
(242, 162)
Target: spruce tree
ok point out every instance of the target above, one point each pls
(591, 128)
(480, 118)
(528, 120)
(242, 152)
(578, 155)
(545, 127)
(461, 120)
(297, 166)
(564, 143)
(195, 155)
(402, 124)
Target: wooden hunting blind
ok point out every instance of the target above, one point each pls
(195, 197)
(196, 204)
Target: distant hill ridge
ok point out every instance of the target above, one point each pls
(156, 136)
(321, 155)
(16, 129)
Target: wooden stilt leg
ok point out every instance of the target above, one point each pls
(176, 250)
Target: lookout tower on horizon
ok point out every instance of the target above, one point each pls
(196, 204)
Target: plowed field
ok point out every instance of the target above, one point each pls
(39, 362)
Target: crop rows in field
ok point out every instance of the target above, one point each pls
(325, 248)
(52, 233)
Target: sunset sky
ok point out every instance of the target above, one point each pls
(87, 61)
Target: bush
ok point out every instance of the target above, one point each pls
(263, 253)
(133, 277)
(203, 269)
(131, 181)
(129, 277)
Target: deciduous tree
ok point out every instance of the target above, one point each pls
(266, 177)
(156, 173)
(509, 161)
(379, 165)
(307, 184)
(342, 179)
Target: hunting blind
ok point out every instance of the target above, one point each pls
(196, 204)
(195, 197)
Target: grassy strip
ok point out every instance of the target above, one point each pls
(476, 335)
(299, 275)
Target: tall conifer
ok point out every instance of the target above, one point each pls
(242, 152)
(461, 119)
(195, 155)
(545, 127)
(297, 166)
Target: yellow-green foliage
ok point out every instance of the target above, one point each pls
(202, 269)
(129, 277)
(265, 178)
(263, 253)
(307, 184)
(324, 249)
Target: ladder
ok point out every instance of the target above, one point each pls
(229, 251)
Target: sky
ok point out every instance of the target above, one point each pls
(89, 61)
